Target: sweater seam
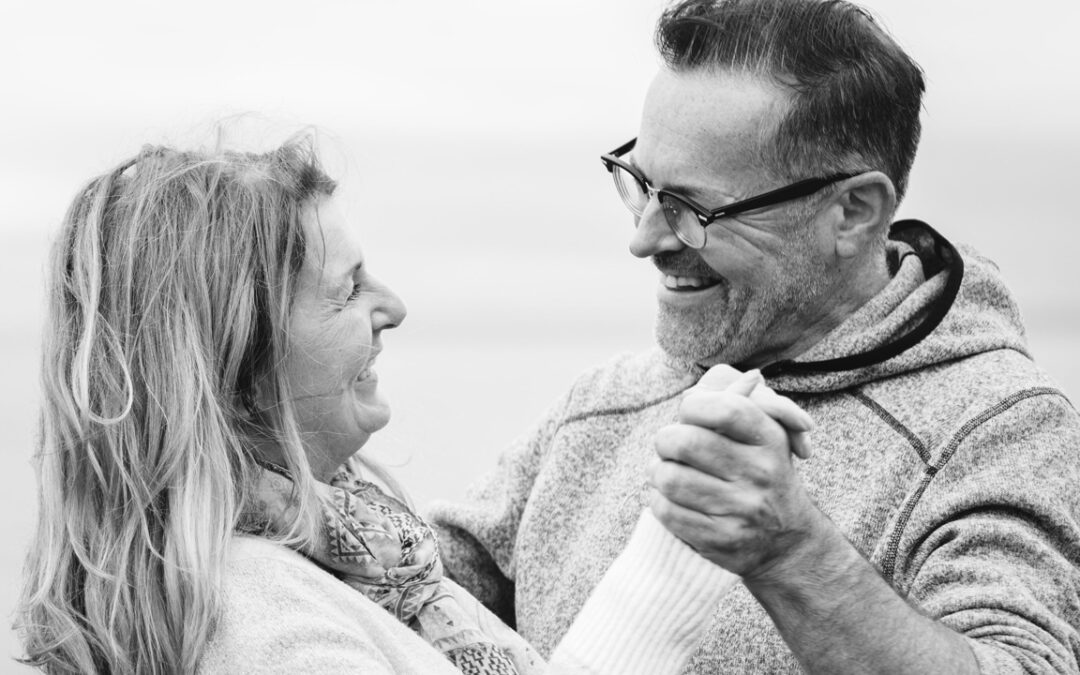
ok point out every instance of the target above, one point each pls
(888, 567)
(621, 410)
(896, 425)
(993, 411)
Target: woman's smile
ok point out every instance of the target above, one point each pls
(335, 326)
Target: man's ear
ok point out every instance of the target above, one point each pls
(867, 203)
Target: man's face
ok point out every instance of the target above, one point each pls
(761, 278)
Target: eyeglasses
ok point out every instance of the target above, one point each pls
(686, 218)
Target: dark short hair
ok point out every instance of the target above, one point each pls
(855, 94)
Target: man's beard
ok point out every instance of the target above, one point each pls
(736, 325)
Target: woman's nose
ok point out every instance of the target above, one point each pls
(390, 311)
(652, 234)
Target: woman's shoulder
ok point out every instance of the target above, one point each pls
(281, 613)
(262, 572)
(250, 555)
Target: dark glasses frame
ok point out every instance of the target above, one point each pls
(704, 215)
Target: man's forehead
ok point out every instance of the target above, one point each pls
(705, 120)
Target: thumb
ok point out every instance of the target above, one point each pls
(718, 378)
(723, 377)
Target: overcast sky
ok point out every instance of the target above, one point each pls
(121, 69)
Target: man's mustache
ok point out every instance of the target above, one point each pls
(684, 263)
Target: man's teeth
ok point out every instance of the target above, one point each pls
(675, 283)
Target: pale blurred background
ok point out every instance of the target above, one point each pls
(467, 136)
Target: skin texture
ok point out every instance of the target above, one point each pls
(335, 328)
(783, 284)
(725, 482)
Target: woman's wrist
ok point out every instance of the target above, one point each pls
(649, 612)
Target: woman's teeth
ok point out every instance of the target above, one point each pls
(367, 372)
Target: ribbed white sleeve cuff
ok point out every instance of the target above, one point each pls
(649, 612)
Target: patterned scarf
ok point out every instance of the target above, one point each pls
(378, 546)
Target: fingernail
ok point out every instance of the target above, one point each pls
(800, 445)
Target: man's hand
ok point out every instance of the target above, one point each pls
(726, 483)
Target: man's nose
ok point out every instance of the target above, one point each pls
(652, 234)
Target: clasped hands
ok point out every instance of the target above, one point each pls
(725, 482)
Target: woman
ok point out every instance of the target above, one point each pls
(211, 316)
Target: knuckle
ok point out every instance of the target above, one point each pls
(758, 473)
(669, 439)
(667, 478)
(689, 404)
(707, 403)
(680, 442)
(738, 406)
(661, 508)
(733, 408)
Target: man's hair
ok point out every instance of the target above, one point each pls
(855, 94)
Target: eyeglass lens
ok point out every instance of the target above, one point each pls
(630, 189)
(680, 217)
(683, 221)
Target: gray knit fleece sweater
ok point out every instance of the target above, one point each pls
(948, 459)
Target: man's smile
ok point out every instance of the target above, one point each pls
(690, 292)
(687, 283)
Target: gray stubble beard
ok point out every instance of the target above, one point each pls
(715, 333)
(735, 327)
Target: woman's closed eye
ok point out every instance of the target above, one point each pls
(356, 290)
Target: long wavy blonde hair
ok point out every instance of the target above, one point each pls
(169, 295)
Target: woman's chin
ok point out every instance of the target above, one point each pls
(372, 414)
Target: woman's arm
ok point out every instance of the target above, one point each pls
(649, 612)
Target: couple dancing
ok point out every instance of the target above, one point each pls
(208, 380)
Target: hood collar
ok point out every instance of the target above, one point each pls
(943, 303)
(937, 256)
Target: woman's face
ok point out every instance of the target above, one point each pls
(337, 318)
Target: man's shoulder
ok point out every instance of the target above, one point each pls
(998, 391)
(1007, 386)
(971, 382)
(627, 382)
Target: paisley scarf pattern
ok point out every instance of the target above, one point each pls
(376, 544)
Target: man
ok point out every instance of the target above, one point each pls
(936, 528)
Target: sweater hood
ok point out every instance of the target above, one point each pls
(943, 303)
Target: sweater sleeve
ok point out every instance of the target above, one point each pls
(477, 536)
(992, 548)
(649, 612)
